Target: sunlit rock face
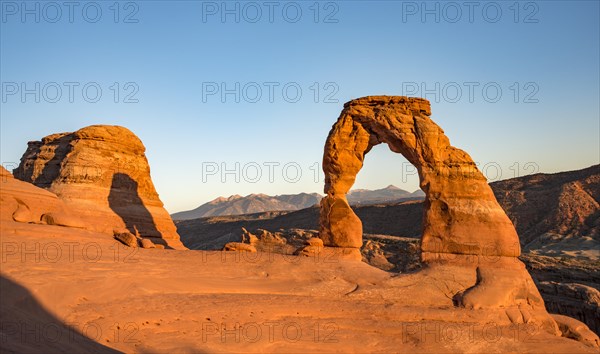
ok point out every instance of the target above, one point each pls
(25, 203)
(464, 226)
(101, 173)
(461, 214)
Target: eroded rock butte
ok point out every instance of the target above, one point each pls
(102, 174)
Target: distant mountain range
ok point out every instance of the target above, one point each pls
(258, 203)
(566, 203)
(253, 203)
(389, 194)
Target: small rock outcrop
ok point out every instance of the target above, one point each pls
(239, 247)
(127, 238)
(314, 241)
(249, 238)
(25, 203)
(312, 247)
(147, 243)
(102, 174)
(575, 300)
(574, 329)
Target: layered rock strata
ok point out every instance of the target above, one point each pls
(102, 174)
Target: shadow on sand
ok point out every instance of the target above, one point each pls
(27, 327)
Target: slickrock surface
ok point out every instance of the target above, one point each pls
(26, 203)
(81, 292)
(102, 174)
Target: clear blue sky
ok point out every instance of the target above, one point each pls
(174, 54)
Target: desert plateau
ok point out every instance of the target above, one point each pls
(300, 177)
(122, 280)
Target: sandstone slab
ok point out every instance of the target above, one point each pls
(147, 243)
(574, 329)
(26, 203)
(240, 247)
(127, 239)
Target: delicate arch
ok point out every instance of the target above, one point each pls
(461, 213)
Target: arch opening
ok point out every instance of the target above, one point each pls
(390, 202)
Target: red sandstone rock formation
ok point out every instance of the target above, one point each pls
(102, 174)
(464, 226)
(462, 215)
(26, 203)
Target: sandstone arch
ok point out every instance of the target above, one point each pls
(461, 216)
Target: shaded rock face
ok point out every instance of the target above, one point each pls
(569, 285)
(102, 174)
(566, 203)
(576, 330)
(127, 238)
(461, 214)
(574, 300)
